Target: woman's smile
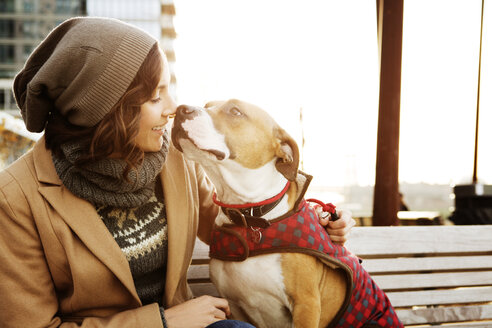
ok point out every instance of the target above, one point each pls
(158, 109)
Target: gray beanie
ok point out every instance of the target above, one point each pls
(82, 69)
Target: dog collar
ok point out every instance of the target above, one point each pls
(250, 214)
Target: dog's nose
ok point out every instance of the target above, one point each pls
(185, 110)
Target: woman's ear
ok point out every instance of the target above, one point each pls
(288, 155)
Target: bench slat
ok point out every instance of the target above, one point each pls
(200, 252)
(204, 288)
(198, 271)
(441, 296)
(445, 314)
(409, 264)
(404, 299)
(418, 316)
(478, 324)
(440, 280)
(367, 241)
(375, 266)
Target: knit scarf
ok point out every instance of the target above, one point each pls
(102, 182)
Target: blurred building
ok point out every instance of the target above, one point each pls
(24, 23)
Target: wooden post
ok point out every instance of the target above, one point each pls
(386, 190)
(477, 118)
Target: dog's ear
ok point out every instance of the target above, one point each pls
(288, 155)
(214, 103)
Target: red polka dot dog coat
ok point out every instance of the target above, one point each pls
(299, 231)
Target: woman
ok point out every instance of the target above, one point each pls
(99, 219)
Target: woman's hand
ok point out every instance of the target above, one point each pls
(338, 230)
(197, 313)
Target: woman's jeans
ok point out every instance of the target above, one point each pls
(230, 324)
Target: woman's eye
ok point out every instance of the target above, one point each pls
(155, 100)
(235, 111)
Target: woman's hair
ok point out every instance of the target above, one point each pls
(115, 134)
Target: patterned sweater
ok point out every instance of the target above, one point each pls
(141, 233)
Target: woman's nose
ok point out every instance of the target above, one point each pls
(170, 107)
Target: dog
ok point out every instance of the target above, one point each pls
(269, 279)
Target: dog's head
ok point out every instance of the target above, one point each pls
(237, 131)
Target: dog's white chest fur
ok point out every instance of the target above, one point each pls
(255, 289)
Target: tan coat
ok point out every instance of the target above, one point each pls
(59, 263)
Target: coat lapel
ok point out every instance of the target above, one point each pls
(82, 218)
(177, 208)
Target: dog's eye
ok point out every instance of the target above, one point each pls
(235, 111)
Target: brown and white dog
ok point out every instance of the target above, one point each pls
(249, 158)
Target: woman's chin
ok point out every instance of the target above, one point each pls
(152, 147)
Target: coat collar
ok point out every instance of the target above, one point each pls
(43, 164)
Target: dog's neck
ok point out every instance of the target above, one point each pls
(237, 185)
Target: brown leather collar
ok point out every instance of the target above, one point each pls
(250, 216)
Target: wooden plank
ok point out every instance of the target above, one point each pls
(417, 316)
(438, 280)
(370, 241)
(475, 324)
(441, 296)
(401, 299)
(445, 314)
(200, 252)
(199, 289)
(398, 299)
(198, 271)
(375, 266)
(409, 264)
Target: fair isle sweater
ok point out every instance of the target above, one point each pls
(141, 233)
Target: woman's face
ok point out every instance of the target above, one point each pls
(155, 114)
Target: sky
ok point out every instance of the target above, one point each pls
(321, 57)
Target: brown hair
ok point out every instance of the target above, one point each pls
(115, 134)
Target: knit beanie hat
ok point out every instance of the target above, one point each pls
(81, 69)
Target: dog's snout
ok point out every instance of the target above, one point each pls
(186, 111)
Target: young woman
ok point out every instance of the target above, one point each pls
(98, 220)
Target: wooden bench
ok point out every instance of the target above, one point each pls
(420, 218)
(433, 275)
